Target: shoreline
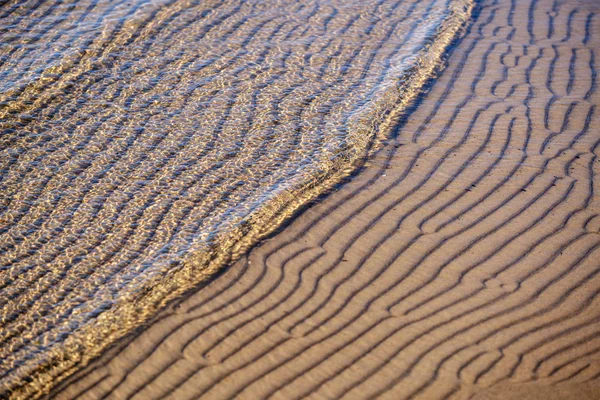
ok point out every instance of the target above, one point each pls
(472, 272)
(459, 263)
(33, 368)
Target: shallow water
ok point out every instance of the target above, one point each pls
(147, 143)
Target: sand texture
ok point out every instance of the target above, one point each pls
(462, 262)
(146, 144)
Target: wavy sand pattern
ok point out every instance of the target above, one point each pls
(461, 263)
(147, 143)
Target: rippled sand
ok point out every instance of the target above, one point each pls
(147, 143)
(461, 263)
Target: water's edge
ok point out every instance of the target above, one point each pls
(372, 127)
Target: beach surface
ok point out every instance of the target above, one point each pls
(461, 263)
(147, 144)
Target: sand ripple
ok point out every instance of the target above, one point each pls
(463, 263)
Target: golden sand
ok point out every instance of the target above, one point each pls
(462, 263)
(146, 144)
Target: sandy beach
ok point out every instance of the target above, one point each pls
(462, 262)
(147, 144)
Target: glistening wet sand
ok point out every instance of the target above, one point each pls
(462, 263)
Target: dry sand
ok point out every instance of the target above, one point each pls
(463, 262)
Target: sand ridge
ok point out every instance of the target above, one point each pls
(462, 263)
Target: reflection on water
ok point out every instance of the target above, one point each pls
(145, 143)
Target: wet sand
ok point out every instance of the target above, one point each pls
(462, 262)
(146, 144)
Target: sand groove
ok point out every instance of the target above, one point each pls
(462, 263)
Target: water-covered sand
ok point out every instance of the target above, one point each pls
(462, 262)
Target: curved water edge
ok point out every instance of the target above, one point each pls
(146, 288)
